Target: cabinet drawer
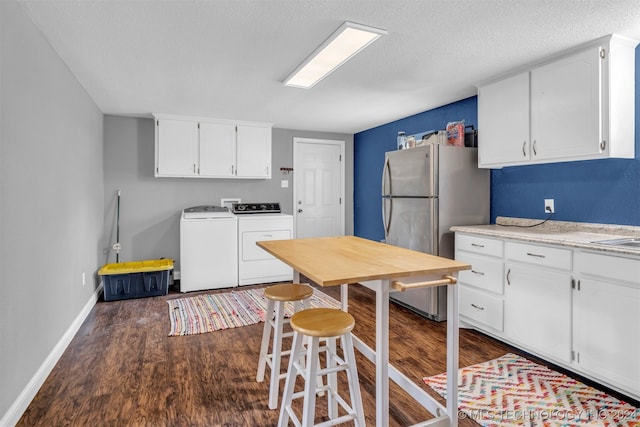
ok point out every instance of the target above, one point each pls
(479, 245)
(539, 255)
(486, 273)
(608, 267)
(481, 307)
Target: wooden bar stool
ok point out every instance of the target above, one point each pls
(277, 296)
(330, 324)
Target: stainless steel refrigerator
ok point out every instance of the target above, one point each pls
(425, 191)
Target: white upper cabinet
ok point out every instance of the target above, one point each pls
(177, 140)
(210, 148)
(217, 150)
(254, 151)
(503, 113)
(578, 106)
(565, 107)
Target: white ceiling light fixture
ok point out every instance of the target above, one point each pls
(341, 46)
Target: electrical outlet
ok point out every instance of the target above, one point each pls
(549, 206)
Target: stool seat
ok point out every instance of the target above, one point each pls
(288, 292)
(322, 322)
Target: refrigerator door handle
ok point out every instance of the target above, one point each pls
(386, 172)
(386, 221)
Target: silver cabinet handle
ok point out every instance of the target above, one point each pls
(299, 210)
(479, 273)
(535, 255)
(509, 277)
(524, 153)
(194, 168)
(535, 153)
(477, 245)
(477, 307)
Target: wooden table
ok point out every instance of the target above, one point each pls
(332, 261)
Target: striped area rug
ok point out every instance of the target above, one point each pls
(513, 391)
(212, 312)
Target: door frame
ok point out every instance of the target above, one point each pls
(296, 162)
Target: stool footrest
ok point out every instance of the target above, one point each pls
(320, 372)
(351, 415)
(285, 321)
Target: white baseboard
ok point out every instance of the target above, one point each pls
(21, 404)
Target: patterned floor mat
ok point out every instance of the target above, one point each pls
(513, 391)
(211, 312)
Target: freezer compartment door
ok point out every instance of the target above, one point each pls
(428, 302)
(411, 223)
(410, 173)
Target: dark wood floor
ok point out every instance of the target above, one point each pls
(121, 369)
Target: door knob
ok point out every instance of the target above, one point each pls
(299, 210)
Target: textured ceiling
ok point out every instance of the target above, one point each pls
(226, 58)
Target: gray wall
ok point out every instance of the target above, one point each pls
(51, 200)
(150, 207)
(61, 163)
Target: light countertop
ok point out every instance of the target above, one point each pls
(564, 233)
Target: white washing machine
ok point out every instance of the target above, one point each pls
(208, 248)
(256, 222)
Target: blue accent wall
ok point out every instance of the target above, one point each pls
(596, 191)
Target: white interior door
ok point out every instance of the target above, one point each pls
(318, 194)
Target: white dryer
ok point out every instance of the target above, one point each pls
(208, 248)
(256, 222)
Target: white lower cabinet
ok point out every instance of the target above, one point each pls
(538, 298)
(481, 288)
(606, 319)
(579, 309)
(537, 310)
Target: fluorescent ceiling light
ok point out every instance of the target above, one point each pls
(342, 45)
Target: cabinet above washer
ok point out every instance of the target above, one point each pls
(195, 147)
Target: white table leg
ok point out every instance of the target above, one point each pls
(344, 297)
(452, 354)
(382, 354)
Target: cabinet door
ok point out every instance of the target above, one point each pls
(253, 151)
(503, 122)
(537, 310)
(217, 150)
(565, 107)
(606, 336)
(176, 147)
